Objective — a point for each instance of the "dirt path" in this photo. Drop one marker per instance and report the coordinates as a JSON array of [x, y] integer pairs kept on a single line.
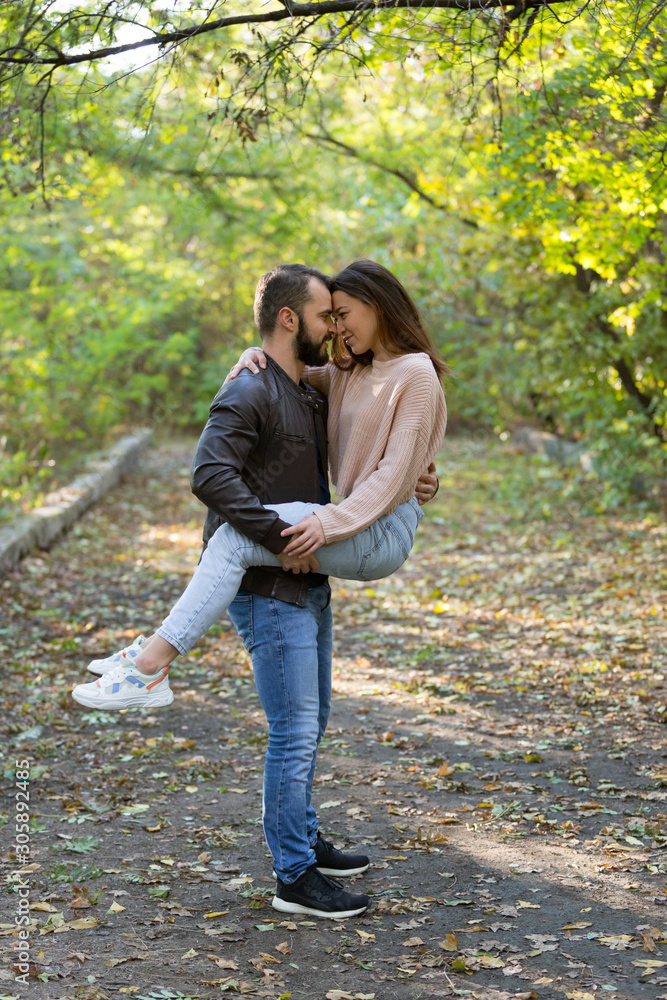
[[497, 746]]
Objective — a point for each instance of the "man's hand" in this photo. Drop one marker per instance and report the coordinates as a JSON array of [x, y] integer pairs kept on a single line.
[[427, 486], [293, 564], [307, 537], [251, 357]]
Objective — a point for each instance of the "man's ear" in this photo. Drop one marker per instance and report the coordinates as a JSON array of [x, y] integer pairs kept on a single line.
[[288, 319]]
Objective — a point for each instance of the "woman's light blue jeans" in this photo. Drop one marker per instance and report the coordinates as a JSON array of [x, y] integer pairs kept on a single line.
[[291, 659], [375, 552]]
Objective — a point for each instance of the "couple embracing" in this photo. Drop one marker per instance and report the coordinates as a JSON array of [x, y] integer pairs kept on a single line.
[[373, 415]]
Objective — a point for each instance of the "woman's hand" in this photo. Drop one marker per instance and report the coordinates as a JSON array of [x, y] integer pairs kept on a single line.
[[427, 486], [307, 537], [251, 357]]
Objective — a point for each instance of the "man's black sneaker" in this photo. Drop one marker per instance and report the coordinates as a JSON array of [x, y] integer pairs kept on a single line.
[[319, 896], [329, 861]]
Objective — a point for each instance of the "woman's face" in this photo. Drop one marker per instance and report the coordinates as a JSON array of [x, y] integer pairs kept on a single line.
[[356, 323]]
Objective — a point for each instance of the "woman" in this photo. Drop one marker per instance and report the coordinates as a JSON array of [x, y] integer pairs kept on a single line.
[[387, 418]]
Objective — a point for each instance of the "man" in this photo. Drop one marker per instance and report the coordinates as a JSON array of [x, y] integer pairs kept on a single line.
[[265, 442]]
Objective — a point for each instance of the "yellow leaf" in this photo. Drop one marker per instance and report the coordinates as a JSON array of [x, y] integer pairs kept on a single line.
[[116, 908], [580, 995], [450, 943], [191, 789], [490, 962], [216, 913], [580, 924], [526, 906], [339, 995], [365, 936], [190, 954], [44, 907], [617, 942], [82, 923]]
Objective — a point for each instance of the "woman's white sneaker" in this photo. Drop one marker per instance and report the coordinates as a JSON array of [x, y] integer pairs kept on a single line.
[[124, 687], [109, 662]]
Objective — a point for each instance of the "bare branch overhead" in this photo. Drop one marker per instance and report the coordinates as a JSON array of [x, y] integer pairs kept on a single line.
[[50, 56]]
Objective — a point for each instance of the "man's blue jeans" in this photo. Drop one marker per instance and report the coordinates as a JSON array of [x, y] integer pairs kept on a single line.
[[376, 552], [291, 659]]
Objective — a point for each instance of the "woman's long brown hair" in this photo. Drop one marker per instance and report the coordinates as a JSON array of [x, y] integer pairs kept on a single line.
[[400, 327]]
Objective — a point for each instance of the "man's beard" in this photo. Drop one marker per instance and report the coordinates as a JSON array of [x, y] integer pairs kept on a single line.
[[307, 350]]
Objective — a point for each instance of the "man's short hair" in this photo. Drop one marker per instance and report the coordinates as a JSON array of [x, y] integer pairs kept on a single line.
[[286, 285]]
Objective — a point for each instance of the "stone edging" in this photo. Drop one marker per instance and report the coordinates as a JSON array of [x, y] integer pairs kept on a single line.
[[42, 526], [532, 441]]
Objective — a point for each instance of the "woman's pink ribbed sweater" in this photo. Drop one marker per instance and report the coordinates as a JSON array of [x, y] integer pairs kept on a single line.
[[386, 423]]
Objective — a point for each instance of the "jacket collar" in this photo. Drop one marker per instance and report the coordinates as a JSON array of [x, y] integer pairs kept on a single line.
[[302, 391]]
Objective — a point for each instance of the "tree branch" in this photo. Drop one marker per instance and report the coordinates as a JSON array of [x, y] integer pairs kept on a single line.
[[584, 278], [402, 176], [290, 11]]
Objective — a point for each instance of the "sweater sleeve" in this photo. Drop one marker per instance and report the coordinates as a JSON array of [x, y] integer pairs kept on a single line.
[[404, 459], [319, 378]]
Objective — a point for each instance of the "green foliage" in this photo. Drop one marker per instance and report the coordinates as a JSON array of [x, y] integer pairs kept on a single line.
[[523, 205]]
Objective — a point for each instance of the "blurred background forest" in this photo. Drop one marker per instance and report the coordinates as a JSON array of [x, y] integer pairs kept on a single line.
[[507, 163]]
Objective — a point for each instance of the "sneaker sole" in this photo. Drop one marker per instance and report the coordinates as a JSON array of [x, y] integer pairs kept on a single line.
[[286, 907], [342, 872], [149, 701]]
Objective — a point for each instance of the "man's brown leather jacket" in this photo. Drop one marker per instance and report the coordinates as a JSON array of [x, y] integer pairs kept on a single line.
[[259, 446]]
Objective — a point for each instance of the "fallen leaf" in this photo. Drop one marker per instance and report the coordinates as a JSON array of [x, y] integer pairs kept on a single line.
[[450, 943], [79, 903], [523, 905], [284, 948], [83, 923], [141, 956], [189, 954], [224, 963], [648, 941], [116, 908], [649, 965], [580, 924], [617, 942]]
